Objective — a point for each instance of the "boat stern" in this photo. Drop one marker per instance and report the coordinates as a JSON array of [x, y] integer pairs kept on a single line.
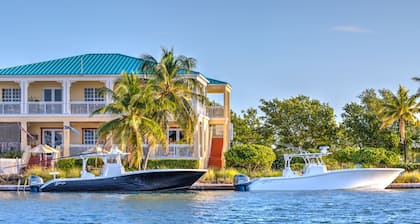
[[35, 183], [241, 182]]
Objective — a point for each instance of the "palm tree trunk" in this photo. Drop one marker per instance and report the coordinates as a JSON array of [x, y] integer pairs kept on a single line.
[[402, 137], [146, 159]]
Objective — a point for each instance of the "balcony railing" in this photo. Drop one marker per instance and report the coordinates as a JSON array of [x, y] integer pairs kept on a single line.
[[216, 111], [77, 149], [173, 151], [45, 107], [10, 108], [9, 146], [85, 107]]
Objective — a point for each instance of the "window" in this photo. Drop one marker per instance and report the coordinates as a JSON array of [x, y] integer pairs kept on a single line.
[[52, 95], [92, 94], [11, 95], [89, 136], [175, 136]]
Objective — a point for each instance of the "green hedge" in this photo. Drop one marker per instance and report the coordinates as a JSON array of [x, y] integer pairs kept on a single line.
[[11, 154], [409, 167], [66, 164], [173, 163], [251, 157]]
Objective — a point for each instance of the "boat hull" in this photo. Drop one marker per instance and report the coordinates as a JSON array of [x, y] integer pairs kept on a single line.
[[369, 178], [150, 180]]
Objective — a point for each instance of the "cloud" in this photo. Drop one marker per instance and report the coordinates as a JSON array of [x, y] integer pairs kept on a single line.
[[351, 29]]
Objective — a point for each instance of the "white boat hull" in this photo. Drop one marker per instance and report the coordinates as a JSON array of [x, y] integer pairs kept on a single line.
[[369, 178]]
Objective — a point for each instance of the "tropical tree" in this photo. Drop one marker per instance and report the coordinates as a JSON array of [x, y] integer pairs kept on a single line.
[[300, 121], [401, 109], [361, 123], [250, 129], [132, 101], [173, 91]]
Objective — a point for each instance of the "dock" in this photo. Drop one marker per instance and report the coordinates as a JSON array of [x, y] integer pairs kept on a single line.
[[14, 187], [212, 187]]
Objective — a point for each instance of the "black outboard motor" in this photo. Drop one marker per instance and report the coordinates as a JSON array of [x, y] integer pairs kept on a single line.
[[241, 182], [35, 183]]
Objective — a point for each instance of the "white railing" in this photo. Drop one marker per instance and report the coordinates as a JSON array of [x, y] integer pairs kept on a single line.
[[77, 149], [44, 107], [216, 111], [85, 107], [10, 108], [9, 146], [173, 151]]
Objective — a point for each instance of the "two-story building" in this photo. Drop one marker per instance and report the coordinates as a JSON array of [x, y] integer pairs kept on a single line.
[[51, 102]]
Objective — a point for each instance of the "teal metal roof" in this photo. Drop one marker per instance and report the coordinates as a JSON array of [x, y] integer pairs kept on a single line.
[[216, 82], [86, 64]]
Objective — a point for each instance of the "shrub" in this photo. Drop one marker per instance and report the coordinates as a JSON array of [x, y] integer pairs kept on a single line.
[[68, 163], [409, 177], [41, 172], [344, 155], [375, 157], [11, 154], [173, 163], [409, 166], [250, 157]]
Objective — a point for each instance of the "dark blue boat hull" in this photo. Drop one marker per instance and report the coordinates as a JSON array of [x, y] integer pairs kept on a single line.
[[134, 181]]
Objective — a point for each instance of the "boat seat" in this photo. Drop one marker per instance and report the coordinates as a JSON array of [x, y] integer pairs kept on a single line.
[[85, 174]]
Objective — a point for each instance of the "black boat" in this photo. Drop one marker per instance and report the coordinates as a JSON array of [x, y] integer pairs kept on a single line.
[[114, 178]]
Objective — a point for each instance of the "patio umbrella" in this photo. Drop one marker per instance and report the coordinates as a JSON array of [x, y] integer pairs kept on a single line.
[[44, 149]]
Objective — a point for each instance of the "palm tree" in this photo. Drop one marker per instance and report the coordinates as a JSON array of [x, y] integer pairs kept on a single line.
[[400, 108], [132, 101], [173, 90]]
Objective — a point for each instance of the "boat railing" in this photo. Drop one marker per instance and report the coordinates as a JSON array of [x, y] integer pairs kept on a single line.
[[313, 162]]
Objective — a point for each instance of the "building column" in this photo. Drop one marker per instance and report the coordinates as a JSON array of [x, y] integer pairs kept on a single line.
[[226, 126], [109, 84], [23, 135], [66, 96], [23, 96], [66, 139]]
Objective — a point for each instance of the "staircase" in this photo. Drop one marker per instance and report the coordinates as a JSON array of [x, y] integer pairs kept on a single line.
[[215, 159]]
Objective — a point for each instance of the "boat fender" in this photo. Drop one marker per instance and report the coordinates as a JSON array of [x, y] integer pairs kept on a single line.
[[241, 182]]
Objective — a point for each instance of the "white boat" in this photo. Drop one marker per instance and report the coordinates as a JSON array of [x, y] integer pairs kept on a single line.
[[315, 176], [113, 177]]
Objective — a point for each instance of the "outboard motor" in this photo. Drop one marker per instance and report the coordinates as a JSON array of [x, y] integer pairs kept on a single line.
[[241, 182], [35, 183]]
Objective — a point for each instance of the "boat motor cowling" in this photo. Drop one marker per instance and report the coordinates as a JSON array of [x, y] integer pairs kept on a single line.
[[35, 183], [241, 182]]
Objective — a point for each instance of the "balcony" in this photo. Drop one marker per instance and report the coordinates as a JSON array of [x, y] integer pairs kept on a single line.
[[10, 108], [84, 107], [174, 151], [216, 111], [77, 149], [45, 107]]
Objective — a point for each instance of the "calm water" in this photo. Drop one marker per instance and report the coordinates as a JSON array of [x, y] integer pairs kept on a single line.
[[389, 206]]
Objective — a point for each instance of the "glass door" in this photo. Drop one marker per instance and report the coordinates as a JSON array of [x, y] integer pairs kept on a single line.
[[52, 137]]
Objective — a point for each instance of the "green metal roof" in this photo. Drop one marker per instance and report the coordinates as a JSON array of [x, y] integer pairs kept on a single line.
[[216, 82], [86, 64]]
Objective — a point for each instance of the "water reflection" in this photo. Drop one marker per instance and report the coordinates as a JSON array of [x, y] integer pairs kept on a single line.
[[212, 207]]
